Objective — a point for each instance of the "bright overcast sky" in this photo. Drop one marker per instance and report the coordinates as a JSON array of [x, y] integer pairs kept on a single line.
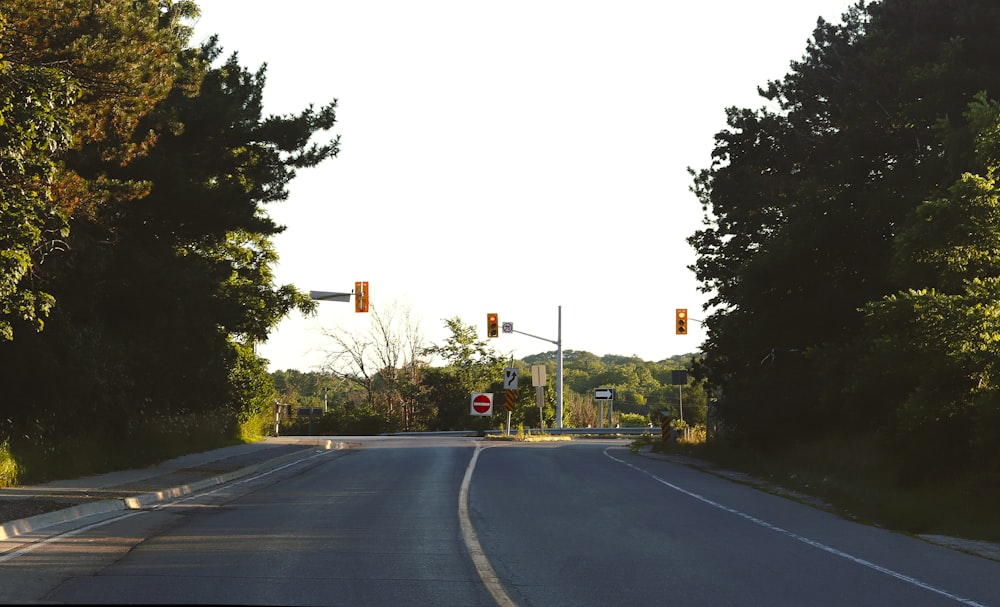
[[508, 157]]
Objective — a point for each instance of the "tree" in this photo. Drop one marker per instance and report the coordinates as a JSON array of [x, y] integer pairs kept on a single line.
[[946, 323], [72, 73], [384, 361], [804, 201], [34, 127], [472, 365], [163, 296], [121, 54]]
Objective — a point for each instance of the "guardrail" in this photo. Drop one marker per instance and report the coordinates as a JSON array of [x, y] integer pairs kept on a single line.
[[585, 431], [551, 431]]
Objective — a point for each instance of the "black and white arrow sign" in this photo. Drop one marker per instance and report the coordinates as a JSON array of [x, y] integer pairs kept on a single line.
[[510, 379]]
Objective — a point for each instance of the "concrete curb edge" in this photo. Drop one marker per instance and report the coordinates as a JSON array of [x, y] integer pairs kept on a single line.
[[14, 529]]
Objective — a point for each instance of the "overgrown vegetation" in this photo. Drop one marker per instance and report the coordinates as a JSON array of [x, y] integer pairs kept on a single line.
[[851, 247]]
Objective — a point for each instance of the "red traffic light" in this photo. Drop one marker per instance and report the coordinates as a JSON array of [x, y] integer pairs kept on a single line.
[[492, 325]]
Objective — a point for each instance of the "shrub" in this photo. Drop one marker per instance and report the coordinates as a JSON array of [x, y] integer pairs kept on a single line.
[[9, 469]]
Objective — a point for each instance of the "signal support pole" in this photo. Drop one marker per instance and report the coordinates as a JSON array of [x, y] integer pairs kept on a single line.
[[559, 368]]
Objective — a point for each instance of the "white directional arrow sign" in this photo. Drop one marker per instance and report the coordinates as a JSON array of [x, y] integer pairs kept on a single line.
[[510, 379], [604, 393]]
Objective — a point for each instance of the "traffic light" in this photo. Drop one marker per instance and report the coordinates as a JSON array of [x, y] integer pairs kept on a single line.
[[361, 296], [682, 321], [492, 325]]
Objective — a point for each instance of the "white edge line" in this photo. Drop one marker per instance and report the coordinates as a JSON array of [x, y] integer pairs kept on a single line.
[[68, 534], [803, 539]]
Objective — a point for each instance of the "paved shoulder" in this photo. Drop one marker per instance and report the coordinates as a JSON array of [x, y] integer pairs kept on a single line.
[[25, 509]]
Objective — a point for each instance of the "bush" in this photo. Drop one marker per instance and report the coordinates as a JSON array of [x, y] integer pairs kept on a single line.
[[343, 421], [632, 420], [149, 440], [9, 469]]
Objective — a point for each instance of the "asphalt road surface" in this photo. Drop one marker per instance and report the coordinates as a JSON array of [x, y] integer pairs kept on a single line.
[[461, 521]]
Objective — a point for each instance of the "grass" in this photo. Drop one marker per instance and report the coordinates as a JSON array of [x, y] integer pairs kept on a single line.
[[10, 471], [35, 461], [857, 478], [537, 436]]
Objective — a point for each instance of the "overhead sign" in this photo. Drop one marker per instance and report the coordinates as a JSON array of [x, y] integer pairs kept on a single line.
[[604, 394], [510, 379], [482, 403]]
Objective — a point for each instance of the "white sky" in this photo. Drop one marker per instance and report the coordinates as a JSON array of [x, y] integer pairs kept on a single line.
[[507, 157]]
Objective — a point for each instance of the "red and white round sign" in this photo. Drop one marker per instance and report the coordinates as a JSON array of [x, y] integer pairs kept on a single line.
[[482, 403]]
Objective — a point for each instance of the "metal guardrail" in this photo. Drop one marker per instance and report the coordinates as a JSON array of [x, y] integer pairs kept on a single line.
[[536, 431], [585, 431]]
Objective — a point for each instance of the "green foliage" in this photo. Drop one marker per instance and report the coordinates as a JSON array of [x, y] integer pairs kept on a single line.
[[441, 395], [850, 284], [951, 324], [140, 442], [475, 362], [343, 421], [10, 471], [632, 420], [35, 104], [148, 208]]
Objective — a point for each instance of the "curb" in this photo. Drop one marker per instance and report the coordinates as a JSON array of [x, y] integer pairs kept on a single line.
[[14, 529], [17, 528]]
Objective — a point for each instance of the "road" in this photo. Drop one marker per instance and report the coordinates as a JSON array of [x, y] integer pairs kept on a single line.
[[460, 521]]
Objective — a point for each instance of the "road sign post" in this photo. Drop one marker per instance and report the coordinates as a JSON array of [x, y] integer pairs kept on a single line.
[[601, 395]]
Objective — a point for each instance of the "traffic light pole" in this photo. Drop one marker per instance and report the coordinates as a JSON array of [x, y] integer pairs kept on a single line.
[[559, 368]]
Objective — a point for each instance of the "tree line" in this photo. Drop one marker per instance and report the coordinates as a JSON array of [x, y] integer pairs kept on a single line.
[[136, 255], [386, 379], [851, 243]]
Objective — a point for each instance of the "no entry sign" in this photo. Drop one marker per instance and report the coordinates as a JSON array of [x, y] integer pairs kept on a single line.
[[482, 403]]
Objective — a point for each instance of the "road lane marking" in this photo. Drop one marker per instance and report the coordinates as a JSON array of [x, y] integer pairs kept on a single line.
[[803, 539], [62, 536], [482, 564], [19, 552]]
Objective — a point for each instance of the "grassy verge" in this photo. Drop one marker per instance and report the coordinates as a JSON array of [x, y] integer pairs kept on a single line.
[[31, 461], [529, 436], [857, 479]]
